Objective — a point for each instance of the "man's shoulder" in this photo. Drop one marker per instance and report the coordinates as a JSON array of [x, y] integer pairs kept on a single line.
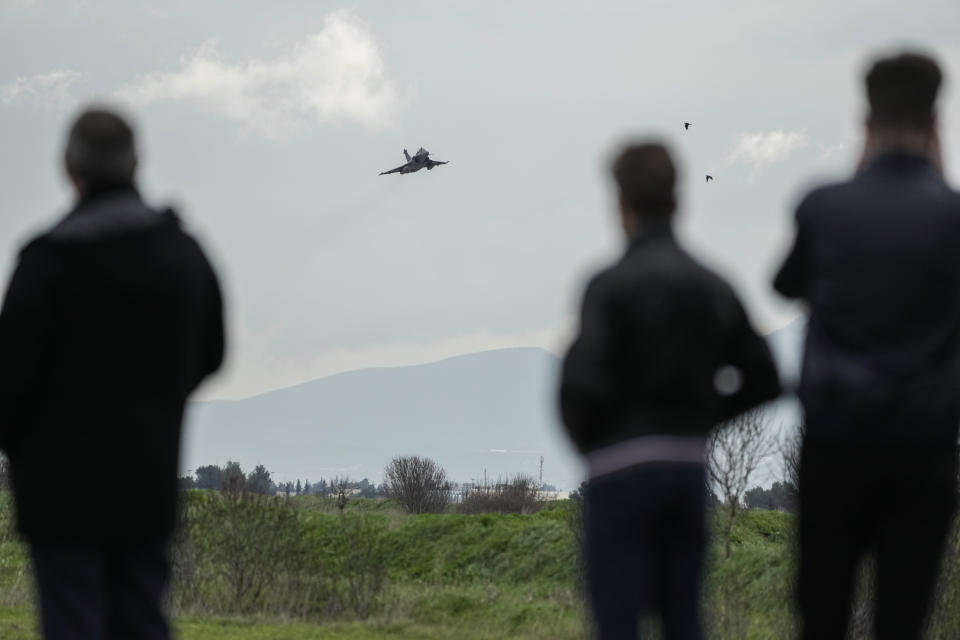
[[949, 195], [661, 267], [615, 281], [37, 249], [73, 238], [605, 281], [824, 201], [828, 195], [108, 217]]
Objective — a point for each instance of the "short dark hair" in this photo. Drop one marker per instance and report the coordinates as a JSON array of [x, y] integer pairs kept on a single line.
[[902, 90], [646, 176], [100, 149]]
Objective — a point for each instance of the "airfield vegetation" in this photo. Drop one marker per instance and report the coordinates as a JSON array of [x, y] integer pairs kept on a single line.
[[263, 567]]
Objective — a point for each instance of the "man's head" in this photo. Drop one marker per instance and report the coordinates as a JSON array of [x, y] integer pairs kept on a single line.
[[902, 93], [100, 152], [646, 178]]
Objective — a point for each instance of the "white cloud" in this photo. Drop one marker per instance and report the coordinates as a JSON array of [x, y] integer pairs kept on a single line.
[[336, 74], [75, 6], [761, 149], [51, 88], [831, 151]]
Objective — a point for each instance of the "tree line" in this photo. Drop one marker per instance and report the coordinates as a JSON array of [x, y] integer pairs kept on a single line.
[[214, 477], [417, 484]]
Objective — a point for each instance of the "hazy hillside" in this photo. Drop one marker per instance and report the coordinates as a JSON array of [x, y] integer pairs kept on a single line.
[[492, 411]]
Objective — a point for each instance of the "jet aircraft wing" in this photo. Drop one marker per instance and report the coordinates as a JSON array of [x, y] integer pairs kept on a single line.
[[397, 170]]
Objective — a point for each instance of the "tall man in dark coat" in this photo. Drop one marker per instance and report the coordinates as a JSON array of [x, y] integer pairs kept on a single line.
[[111, 319], [877, 259], [639, 394]]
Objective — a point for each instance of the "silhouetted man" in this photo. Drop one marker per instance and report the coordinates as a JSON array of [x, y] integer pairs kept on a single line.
[[877, 259], [639, 395], [111, 319]]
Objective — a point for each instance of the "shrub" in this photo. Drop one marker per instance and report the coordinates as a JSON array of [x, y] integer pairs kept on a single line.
[[419, 484], [518, 494], [236, 552]]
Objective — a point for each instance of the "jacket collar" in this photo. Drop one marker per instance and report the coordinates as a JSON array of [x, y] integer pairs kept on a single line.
[[652, 231], [897, 160], [95, 200], [103, 214]]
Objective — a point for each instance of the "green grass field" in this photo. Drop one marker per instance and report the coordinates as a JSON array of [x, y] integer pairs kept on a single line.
[[19, 624], [374, 572]]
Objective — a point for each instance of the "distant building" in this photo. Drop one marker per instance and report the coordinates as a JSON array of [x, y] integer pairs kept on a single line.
[[459, 491]]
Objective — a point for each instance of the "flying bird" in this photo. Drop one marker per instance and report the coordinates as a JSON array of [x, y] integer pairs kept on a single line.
[[709, 178], [686, 125]]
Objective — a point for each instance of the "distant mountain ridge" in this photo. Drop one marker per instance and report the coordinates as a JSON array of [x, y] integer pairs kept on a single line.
[[492, 412]]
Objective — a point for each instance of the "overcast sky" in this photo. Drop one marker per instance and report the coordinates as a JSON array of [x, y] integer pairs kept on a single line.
[[266, 125]]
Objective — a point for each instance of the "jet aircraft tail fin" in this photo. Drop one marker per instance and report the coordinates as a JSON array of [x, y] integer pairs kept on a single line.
[[406, 155]]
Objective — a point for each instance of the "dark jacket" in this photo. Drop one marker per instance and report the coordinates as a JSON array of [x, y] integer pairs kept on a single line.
[[878, 261], [111, 319], [655, 329]]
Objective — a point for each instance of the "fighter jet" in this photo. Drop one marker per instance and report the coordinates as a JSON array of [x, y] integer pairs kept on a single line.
[[687, 125], [709, 178], [419, 160]]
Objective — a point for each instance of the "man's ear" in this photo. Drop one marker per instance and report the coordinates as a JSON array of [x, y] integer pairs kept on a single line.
[[78, 184], [869, 130], [934, 148], [628, 219]]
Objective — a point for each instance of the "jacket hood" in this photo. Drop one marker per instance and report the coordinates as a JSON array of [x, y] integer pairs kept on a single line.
[[107, 215]]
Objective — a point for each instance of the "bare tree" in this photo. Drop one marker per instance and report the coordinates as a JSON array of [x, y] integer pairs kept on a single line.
[[420, 485], [365, 556], [258, 540], [340, 487], [519, 494], [735, 450], [790, 448]]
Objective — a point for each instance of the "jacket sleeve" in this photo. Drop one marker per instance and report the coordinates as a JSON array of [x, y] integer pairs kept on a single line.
[[588, 388], [26, 337], [793, 278], [212, 340], [749, 354], [215, 341]]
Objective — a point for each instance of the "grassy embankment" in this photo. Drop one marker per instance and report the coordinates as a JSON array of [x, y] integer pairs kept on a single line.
[[376, 573]]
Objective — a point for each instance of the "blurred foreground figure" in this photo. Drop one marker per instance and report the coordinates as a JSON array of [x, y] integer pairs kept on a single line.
[[665, 352], [111, 319], [876, 259]]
